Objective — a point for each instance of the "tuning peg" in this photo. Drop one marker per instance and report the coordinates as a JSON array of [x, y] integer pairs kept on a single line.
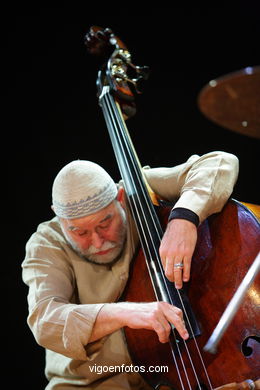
[[143, 71], [100, 41]]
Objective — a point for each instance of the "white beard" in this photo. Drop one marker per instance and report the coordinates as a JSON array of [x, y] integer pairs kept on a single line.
[[106, 259]]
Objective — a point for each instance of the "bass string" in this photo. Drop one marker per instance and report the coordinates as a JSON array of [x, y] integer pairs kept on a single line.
[[172, 349], [198, 350], [114, 119], [111, 121], [111, 118], [127, 141]]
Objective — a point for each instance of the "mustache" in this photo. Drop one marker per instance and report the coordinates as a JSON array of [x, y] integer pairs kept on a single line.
[[92, 250]]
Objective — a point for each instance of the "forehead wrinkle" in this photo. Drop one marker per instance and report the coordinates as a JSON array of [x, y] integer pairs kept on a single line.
[[74, 228]]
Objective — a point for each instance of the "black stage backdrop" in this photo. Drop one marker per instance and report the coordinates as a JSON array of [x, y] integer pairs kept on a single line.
[[54, 117]]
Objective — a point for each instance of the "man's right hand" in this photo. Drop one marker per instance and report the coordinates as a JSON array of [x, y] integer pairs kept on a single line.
[[155, 316]]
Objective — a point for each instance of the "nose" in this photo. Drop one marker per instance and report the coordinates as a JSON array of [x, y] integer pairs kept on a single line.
[[97, 240]]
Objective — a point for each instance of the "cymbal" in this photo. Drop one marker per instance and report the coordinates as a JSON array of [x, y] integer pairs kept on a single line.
[[233, 101]]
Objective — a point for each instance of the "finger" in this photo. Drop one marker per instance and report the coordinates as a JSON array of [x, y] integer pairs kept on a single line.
[[177, 269], [163, 255], [168, 269], [163, 260], [162, 328], [175, 316], [186, 268], [181, 328]]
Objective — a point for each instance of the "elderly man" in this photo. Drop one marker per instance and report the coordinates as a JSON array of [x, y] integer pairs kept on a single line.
[[77, 265]]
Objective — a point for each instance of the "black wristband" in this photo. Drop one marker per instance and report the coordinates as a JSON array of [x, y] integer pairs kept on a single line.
[[183, 213]]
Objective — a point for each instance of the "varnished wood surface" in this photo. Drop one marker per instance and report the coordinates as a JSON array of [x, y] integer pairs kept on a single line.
[[227, 245]]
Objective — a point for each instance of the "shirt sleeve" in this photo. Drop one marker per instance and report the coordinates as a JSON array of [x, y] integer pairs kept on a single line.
[[56, 322], [202, 184]]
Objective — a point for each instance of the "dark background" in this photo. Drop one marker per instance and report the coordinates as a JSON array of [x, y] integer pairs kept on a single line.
[[54, 117]]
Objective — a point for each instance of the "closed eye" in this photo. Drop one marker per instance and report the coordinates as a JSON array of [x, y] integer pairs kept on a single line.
[[106, 222], [105, 225], [82, 233]]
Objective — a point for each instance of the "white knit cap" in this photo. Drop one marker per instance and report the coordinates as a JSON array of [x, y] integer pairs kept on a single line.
[[82, 188]]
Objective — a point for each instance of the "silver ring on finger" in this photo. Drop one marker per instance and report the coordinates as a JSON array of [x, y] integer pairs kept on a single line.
[[178, 265]]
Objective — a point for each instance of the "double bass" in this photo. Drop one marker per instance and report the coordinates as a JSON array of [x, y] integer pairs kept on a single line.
[[227, 244]]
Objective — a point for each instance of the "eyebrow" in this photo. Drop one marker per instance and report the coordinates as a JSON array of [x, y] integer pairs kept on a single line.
[[110, 215], [74, 228]]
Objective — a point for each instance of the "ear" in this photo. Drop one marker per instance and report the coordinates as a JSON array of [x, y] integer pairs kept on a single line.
[[121, 195]]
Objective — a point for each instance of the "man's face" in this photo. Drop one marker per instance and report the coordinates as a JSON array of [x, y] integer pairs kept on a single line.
[[98, 237]]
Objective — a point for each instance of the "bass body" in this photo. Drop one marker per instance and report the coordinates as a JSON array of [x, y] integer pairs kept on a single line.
[[228, 243]]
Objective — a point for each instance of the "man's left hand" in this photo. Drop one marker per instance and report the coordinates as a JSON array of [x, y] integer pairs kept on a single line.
[[176, 250]]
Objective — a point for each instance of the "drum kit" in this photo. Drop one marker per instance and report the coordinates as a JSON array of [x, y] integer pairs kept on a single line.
[[233, 101]]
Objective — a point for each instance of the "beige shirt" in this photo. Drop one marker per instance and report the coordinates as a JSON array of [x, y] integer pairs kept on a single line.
[[66, 292]]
